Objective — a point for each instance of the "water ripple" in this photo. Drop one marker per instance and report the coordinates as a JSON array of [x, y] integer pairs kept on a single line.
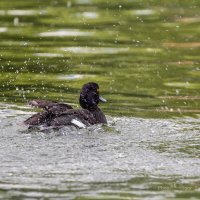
[[66, 33]]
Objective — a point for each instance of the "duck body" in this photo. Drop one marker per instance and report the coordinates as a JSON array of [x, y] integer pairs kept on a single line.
[[57, 114]]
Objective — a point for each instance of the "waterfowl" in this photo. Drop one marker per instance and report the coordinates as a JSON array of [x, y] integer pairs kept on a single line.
[[58, 114]]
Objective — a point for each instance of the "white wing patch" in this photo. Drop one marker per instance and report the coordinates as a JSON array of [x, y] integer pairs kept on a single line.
[[78, 123]]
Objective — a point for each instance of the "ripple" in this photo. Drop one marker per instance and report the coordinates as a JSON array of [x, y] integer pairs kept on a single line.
[[3, 29], [65, 33], [48, 54], [143, 12], [75, 76], [12, 113], [19, 12], [82, 2], [89, 161], [95, 50], [182, 45], [188, 20], [89, 15], [7, 110], [183, 84]]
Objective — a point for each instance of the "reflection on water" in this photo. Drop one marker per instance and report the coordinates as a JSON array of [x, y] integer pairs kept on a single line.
[[48, 55], [62, 33], [144, 12], [90, 15], [137, 51], [145, 57], [184, 85], [74, 76], [94, 50], [20, 12], [3, 29]]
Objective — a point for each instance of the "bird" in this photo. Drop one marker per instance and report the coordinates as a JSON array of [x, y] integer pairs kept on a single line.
[[58, 114]]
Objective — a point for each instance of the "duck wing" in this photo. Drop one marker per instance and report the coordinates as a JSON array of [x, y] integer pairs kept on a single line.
[[39, 119], [51, 106], [51, 110], [78, 117]]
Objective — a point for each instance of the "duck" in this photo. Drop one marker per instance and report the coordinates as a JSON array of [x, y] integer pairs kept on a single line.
[[58, 114]]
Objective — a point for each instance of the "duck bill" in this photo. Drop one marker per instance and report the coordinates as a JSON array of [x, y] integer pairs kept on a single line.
[[101, 99]]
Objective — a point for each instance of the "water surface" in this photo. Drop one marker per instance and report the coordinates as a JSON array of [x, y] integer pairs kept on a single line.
[[144, 158], [145, 57]]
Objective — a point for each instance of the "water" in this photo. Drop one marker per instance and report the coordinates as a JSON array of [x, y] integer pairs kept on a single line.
[[144, 158], [143, 54], [145, 57]]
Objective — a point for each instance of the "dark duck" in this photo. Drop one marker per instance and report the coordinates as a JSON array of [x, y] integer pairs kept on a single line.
[[57, 114]]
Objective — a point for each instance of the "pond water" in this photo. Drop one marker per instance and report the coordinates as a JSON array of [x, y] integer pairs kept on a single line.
[[145, 57]]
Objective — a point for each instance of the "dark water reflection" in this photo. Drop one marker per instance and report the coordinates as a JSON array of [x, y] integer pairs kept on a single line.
[[145, 55]]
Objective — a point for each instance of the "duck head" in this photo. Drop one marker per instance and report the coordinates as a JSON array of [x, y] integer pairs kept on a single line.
[[89, 96]]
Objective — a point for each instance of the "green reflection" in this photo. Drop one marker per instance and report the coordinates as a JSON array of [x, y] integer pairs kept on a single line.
[[144, 54]]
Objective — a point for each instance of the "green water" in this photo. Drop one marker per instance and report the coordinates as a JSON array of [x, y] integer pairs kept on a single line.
[[144, 54]]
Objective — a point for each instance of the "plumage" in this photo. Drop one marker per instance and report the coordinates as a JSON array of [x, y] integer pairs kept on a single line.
[[57, 114]]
